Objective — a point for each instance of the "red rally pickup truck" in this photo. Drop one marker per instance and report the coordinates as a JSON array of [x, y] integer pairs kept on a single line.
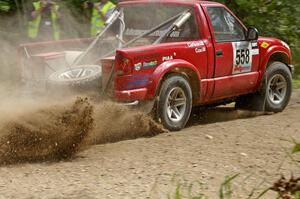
[[179, 54]]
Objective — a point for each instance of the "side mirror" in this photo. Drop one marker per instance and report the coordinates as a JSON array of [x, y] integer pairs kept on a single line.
[[252, 34]]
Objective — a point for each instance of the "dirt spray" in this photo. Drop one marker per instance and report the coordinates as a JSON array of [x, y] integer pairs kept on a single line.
[[51, 131]]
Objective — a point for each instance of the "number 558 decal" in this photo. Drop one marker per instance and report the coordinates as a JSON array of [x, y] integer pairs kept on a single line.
[[242, 56]]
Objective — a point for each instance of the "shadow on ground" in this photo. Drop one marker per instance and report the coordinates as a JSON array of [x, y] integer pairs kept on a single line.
[[219, 114]]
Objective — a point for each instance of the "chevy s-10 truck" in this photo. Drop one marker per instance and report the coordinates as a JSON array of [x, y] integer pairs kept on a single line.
[[176, 55]]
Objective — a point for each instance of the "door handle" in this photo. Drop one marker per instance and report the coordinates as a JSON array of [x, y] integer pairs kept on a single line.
[[219, 53]]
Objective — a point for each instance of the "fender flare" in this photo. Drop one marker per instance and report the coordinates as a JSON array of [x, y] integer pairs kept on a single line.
[[264, 62], [173, 65], [271, 51]]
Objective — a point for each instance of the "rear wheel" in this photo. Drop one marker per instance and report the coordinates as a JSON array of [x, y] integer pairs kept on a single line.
[[174, 103]]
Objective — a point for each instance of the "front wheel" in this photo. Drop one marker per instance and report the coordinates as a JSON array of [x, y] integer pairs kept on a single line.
[[279, 87], [174, 103], [274, 93]]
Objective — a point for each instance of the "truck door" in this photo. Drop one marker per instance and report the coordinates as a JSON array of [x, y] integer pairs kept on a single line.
[[236, 59]]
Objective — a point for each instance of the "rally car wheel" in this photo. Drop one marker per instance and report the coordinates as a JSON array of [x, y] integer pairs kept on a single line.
[[274, 93], [80, 78], [279, 87], [175, 103]]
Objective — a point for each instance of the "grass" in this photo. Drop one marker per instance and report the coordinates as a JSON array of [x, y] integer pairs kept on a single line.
[[296, 82], [286, 188], [226, 190]]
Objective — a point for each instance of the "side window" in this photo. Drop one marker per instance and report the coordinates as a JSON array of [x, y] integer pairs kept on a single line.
[[226, 27], [141, 18]]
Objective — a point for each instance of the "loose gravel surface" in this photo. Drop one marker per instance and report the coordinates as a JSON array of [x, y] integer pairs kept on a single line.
[[220, 142]]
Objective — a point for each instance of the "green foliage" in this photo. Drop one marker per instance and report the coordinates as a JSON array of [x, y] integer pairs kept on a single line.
[[283, 187], [276, 18], [4, 6], [226, 191], [186, 189], [178, 194], [296, 148], [297, 195], [296, 82]]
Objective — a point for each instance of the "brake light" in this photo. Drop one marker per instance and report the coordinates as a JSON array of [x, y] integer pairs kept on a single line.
[[124, 66]]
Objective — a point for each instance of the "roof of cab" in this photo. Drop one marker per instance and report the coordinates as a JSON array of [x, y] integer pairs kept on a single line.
[[183, 2]]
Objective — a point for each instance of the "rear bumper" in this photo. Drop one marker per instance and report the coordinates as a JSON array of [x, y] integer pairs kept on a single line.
[[136, 98], [131, 95]]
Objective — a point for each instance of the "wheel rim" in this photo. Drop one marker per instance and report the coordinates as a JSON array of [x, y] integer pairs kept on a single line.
[[76, 73], [176, 104], [277, 89]]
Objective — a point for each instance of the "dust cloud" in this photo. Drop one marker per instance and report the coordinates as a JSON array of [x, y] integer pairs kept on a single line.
[[115, 122], [50, 133], [34, 127], [45, 130]]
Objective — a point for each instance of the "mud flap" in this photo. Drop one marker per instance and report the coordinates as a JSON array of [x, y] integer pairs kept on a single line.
[[255, 101], [252, 102]]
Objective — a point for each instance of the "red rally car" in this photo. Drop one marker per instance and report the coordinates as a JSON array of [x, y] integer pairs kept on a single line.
[[172, 55]]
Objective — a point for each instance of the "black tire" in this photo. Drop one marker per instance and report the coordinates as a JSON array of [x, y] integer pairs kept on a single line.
[[278, 69], [260, 100], [90, 82], [177, 86]]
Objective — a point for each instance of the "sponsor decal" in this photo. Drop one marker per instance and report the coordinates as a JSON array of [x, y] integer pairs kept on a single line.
[[138, 66], [200, 50], [194, 44], [254, 45], [167, 58], [150, 64], [255, 49], [265, 45], [137, 83], [138, 80]]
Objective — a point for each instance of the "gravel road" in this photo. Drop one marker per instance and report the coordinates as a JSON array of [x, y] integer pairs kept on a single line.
[[220, 142]]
